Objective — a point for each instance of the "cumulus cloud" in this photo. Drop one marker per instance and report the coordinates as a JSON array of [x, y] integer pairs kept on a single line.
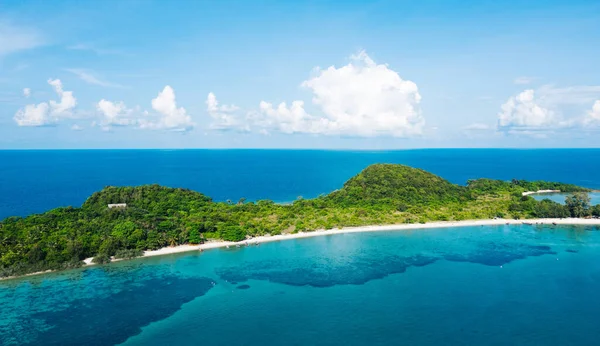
[[293, 119], [33, 115], [548, 109], [170, 116], [222, 115], [47, 113], [67, 100], [593, 116], [26, 92], [362, 99], [76, 127], [523, 111], [114, 114]]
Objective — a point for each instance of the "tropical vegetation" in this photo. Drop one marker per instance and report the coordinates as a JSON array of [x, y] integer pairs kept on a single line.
[[157, 216]]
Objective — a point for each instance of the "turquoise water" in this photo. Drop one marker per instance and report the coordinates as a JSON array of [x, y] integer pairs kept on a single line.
[[560, 197], [493, 285]]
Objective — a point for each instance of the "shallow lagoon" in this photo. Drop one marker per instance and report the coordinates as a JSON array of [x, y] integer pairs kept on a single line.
[[471, 285], [560, 197]]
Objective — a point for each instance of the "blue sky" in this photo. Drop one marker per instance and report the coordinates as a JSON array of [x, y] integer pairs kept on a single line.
[[351, 74]]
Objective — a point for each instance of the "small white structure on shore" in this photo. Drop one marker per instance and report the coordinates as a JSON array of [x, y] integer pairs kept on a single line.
[[117, 205]]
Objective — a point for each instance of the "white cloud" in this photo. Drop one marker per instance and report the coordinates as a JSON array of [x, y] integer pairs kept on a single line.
[[170, 117], [222, 115], [26, 92], [361, 98], [67, 100], [547, 109], [523, 80], [14, 39], [76, 127], [47, 113], [366, 99], [523, 111], [114, 114], [90, 78], [593, 116], [293, 119], [33, 115]]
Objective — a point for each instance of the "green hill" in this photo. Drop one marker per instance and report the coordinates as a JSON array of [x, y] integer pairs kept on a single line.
[[394, 184], [153, 199]]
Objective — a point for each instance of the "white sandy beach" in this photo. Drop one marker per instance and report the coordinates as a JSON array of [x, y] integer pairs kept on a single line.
[[398, 227]]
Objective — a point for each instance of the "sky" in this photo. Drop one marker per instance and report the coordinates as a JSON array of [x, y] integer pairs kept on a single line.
[[299, 74]]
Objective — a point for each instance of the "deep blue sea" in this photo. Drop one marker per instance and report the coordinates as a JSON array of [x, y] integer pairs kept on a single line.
[[35, 181], [493, 285]]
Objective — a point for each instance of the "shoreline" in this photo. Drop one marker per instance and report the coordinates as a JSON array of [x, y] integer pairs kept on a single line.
[[358, 229]]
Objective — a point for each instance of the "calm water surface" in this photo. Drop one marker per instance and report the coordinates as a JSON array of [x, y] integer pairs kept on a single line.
[[500, 285], [35, 181]]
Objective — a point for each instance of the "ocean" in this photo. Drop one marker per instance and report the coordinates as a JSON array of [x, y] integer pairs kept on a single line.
[[34, 181], [484, 285], [493, 285]]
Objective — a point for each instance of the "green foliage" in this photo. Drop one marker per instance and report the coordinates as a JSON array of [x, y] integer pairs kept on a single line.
[[147, 199], [128, 253], [550, 209], [233, 233], [387, 184], [157, 216], [595, 210], [517, 187], [101, 258], [194, 237], [578, 204], [546, 185]]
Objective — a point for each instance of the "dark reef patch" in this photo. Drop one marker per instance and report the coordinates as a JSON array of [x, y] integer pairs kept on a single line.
[[352, 271], [122, 314], [360, 269], [497, 254]]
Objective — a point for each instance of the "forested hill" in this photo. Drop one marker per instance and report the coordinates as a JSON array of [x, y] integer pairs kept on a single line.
[[393, 184], [152, 216], [152, 199]]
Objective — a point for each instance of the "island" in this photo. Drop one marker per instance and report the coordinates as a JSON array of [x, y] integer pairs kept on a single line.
[[124, 222]]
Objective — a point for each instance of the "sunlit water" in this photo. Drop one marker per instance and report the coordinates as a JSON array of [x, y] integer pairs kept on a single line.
[[500, 285]]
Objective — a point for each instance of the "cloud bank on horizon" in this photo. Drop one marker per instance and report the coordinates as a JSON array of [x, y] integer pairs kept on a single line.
[[362, 99], [406, 93]]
